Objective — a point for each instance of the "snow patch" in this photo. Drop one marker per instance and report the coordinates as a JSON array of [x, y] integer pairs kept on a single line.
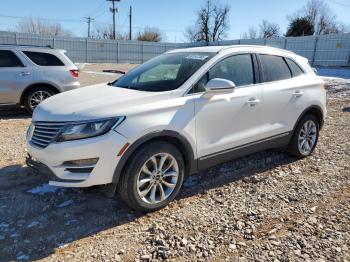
[[43, 189], [33, 224], [3, 226], [334, 72], [22, 257], [70, 222], [66, 203]]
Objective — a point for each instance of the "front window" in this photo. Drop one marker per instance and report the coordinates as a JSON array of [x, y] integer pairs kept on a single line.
[[238, 68], [9, 59], [164, 73]]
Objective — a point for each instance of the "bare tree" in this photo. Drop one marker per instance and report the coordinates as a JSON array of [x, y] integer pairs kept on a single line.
[[252, 33], [106, 32], [36, 26], [321, 17], [269, 30], [212, 23], [151, 34]]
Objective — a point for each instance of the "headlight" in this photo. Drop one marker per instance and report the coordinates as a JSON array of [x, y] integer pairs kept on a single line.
[[87, 129]]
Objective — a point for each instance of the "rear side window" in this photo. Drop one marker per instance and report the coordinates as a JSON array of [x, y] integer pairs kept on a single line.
[[237, 68], [43, 59], [9, 59], [296, 70], [274, 68]]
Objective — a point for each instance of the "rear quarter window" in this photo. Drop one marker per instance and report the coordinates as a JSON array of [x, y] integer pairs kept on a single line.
[[294, 67], [43, 59], [274, 68]]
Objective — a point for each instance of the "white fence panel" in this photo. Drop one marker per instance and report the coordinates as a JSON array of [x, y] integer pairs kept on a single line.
[[327, 50]]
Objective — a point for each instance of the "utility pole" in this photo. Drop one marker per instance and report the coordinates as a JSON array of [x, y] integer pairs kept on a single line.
[[130, 23], [113, 10], [89, 19]]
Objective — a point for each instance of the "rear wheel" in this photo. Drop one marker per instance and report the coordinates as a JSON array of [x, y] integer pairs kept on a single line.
[[35, 96], [305, 138], [153, 177]]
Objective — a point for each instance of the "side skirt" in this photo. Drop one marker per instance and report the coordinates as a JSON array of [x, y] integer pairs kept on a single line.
[[278, 141]]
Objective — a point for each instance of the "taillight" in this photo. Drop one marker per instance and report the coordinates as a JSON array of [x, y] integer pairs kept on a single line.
[[325, 86], [74, 73]]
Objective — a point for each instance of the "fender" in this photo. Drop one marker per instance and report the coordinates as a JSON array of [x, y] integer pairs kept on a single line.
[[183, 145]]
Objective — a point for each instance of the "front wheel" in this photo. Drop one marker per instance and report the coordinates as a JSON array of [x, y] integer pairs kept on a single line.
[[305, 137], [153, 177]]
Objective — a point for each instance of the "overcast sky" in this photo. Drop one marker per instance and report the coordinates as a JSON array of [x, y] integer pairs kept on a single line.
[[171, 16]]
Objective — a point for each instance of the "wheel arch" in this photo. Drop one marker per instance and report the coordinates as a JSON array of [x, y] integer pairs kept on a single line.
[[312, 110], [168, 136], [43, 84]]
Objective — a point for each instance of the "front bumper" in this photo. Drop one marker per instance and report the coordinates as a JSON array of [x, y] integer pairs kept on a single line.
[[50, 160]]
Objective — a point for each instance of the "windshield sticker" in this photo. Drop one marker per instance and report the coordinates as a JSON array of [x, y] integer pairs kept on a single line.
[[197, 57]]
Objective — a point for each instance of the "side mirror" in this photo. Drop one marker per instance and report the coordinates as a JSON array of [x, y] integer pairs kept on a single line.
[[220, 86]]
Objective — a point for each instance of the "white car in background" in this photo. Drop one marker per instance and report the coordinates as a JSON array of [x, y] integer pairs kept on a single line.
[[30, 74], [178, 113]]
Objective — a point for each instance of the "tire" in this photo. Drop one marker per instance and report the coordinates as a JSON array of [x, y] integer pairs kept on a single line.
[[42, 93], [141, 161], [297, 147]]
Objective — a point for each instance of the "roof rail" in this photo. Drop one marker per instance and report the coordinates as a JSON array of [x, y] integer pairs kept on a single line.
[[256, 46], [36, 46]]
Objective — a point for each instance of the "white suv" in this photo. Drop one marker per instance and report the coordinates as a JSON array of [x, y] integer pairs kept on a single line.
[[178, 113]]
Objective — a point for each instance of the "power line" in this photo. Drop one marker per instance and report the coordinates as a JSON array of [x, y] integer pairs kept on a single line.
[[97, 9], [89, 19], [82, 22], [46, 19], [338, 3]]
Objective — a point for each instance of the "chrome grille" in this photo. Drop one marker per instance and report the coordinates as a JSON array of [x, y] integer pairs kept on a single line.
[[45, 133]]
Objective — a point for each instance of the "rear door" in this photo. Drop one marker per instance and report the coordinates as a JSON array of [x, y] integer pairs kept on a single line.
[[282, 89], [14, 77]]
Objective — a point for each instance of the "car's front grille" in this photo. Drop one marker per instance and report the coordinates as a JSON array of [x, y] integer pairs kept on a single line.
[[45, 133]]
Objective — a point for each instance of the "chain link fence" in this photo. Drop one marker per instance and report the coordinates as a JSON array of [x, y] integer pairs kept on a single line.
[[325, 50]]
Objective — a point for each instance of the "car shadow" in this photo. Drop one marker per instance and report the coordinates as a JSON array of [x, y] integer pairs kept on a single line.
[[36, 220], [7, 113]]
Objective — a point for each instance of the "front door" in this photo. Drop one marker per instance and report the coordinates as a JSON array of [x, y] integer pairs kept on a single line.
[[227, 122]]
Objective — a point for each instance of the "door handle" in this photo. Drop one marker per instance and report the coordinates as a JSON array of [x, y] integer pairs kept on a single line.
[[253, 101], [24, 74], [298, 93]]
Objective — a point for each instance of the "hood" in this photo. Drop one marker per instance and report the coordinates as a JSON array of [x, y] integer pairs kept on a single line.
[[94, 102]]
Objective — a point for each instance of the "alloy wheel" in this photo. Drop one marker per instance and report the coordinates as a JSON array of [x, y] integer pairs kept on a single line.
[[37, 97], [157, 178], [307, 137]]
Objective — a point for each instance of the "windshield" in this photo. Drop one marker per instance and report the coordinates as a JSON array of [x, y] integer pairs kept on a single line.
[[163, 73]]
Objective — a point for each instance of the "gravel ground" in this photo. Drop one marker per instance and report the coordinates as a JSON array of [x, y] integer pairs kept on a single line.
[[265, 207]]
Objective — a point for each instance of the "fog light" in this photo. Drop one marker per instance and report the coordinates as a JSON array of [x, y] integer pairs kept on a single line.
[[81, 162]]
